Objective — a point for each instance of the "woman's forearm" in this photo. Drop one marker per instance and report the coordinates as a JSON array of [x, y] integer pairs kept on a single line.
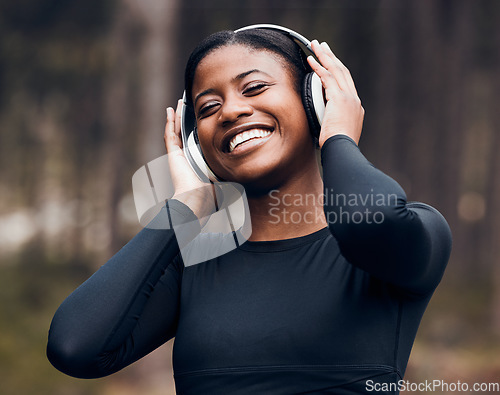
[[106, 323], [378, 231]]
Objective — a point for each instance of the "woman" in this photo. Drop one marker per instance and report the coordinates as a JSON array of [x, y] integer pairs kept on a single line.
[[327, 294]]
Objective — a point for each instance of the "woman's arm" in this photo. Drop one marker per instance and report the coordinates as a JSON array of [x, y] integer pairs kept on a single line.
[[406, 244], [130, 306], [127, 308]]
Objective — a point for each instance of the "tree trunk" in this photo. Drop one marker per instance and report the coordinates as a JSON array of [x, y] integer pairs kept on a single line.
[[141, 87]]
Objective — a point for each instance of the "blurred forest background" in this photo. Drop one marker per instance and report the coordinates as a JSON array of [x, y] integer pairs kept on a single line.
[[83, 91]]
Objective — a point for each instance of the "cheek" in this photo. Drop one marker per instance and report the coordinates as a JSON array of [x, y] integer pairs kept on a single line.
[[202, 137], [205, 141], [291, 102], [205, 128], [295, 117]]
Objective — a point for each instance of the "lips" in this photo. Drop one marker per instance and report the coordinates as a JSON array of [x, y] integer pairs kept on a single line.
[[243, 137], [242, 134]]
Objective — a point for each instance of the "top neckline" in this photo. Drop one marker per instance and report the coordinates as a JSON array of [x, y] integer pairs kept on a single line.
[[285, 244]]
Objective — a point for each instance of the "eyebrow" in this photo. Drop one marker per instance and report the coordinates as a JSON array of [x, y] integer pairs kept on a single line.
[[244, 74], [239, 77]]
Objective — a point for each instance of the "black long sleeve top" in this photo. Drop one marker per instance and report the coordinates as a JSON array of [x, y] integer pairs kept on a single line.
[[335, 311]]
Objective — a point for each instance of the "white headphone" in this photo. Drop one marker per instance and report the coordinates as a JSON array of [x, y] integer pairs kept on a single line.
[[312, 98]]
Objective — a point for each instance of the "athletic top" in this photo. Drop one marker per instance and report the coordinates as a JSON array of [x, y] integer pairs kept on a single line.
[[335, 311]]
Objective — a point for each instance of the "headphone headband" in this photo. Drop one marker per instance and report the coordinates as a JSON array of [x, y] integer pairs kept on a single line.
[[289, 32]]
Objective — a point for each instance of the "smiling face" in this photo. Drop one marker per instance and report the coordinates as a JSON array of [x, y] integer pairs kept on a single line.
[[251, 122]]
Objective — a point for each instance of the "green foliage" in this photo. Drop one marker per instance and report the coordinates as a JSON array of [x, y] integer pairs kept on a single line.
[[30, 294]]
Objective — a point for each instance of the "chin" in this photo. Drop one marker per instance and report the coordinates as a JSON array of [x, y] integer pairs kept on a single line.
[[260, 181]]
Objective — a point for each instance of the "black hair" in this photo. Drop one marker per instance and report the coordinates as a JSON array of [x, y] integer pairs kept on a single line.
[[261, 39]]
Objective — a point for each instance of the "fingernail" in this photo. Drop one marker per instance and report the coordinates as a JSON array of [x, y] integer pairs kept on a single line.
[[328, 47]]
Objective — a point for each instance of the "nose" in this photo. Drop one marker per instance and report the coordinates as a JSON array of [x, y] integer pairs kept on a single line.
[[233, 108]]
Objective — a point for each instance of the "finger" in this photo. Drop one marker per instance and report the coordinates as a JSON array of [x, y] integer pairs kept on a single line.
[[329, 82], [338, 69], [172, 140], [323, 73], [333, 64], [330, 63], [345, 70]]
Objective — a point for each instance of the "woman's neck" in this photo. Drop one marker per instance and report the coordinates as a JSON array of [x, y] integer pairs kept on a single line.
[[294, 209]]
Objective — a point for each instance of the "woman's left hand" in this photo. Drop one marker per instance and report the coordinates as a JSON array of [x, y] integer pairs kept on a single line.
[[344, 113]]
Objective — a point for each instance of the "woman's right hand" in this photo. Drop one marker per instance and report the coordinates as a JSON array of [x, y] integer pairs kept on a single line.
[[189, 189]]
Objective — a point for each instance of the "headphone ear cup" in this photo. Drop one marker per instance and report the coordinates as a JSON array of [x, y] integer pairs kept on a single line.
[[191, 145], [314, 103], [202, 162], [196, 160]]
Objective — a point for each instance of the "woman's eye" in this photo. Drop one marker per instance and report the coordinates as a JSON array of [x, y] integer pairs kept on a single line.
[[255, 89], [207, 110]]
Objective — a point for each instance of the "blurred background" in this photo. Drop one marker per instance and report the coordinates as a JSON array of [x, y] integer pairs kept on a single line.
[[83, 91]]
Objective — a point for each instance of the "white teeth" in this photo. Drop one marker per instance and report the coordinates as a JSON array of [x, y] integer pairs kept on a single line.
[[247, 135]]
